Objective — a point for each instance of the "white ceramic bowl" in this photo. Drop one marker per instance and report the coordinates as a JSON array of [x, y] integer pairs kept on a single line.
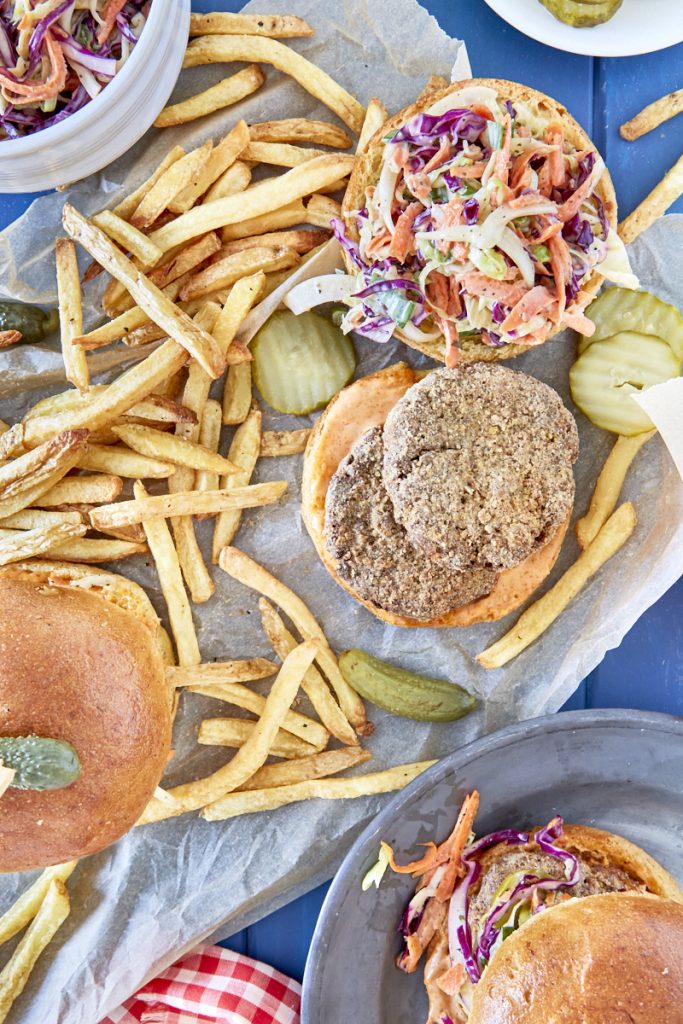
[[110, 124]]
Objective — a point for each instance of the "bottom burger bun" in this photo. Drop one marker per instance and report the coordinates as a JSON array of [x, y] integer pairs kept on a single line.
[[365, 404], [604, 959], [83, 660]]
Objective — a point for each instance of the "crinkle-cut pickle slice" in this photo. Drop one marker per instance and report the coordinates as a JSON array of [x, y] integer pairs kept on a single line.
[[603, 379], [583, 13], [301, 362], [621, 309]]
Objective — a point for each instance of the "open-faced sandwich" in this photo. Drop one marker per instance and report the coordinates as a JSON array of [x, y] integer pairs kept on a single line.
[[441, 500], [554, 923], [479, 222]]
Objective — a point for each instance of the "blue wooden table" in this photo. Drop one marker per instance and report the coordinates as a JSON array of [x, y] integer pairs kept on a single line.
[[646, 671]]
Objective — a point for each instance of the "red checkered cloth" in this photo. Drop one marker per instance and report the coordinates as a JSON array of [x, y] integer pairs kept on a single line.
[[214, 984]]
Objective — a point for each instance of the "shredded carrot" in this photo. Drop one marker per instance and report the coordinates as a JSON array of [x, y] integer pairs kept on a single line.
[[376, 243], [474, 170], [403, 239], [554, 136], [534, 302], [455, 305], [455, 844], [567, 210], [450, 332], [432, 921], [483, 112], [34, 92], [548, 232], [561, 266], [476, 283], [444, 151], [437, 291], [416, 867], [109, 13], [578, 322], [526, 199], [452, 980]]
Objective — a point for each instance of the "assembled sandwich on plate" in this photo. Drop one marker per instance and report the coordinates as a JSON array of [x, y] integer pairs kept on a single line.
[[556, 923]]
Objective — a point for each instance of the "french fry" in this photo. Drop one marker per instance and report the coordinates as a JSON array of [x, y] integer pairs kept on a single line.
[[128, 237], [339, 185], [17, 545], [121, 461], [542, 613], [154, 408], [216, 49], [251, 801], [235, 179], [189, 258], [285, 217], [608, 486], [244, 452], [255, 201], [313, 685], [276, 26], [280, 154], [186, 503], [132, 534], [30, 901], [652, 116], [70, 314], [656, 204], [234, 732], [9, 338], [12, 441], [209, 438], [252, 755], [82, 490], [52, 913], [92, 550], [301, 240], [195, 394], [6, 778], [222, 156], [300, 129], [178, 176], [4, 427], [231, 90], [304, 769], [237, 394], [375, 116], [171, 581], [236, 266], [34, 518], [283, 442], [171, 448], [218, 673], [243, 697], [320, 210], [26, 478], [245, 570], [151, 299], [127, 207]]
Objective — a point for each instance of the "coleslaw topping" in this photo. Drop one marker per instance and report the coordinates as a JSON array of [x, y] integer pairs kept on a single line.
[[57, 55], [484, 223]]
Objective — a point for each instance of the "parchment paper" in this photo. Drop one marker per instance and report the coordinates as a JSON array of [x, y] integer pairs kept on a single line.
[[163, 888]]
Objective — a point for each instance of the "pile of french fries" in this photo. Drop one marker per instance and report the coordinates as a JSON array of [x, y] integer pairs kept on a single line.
[[100, 473]]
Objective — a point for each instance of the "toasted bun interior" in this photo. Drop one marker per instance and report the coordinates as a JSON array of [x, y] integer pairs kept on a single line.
[[367, 169], [601, 959], [355, 410], [80, 668]]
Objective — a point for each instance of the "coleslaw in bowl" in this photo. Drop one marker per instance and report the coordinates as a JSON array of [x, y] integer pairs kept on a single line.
[[98, 115]]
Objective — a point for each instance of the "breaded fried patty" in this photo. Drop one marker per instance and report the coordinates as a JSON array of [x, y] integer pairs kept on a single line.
[[478, 465], [373, 552]]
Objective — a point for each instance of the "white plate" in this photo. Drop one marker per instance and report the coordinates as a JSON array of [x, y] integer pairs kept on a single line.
[[639, 26]]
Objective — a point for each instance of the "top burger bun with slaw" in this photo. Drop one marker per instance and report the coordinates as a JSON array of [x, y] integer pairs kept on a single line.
[[85, 712], [478, 222]]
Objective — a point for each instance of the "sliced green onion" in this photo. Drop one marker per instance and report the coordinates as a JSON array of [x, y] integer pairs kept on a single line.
[[489, 262], [541, 252], [468, 189], [398, 307], [439, 195]]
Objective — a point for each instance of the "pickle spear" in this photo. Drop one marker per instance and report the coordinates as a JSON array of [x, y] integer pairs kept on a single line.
[[582, 13], [404, 693], [33, 323]]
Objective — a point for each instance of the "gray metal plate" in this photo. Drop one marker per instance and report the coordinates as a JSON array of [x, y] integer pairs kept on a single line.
[[617, 770]]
